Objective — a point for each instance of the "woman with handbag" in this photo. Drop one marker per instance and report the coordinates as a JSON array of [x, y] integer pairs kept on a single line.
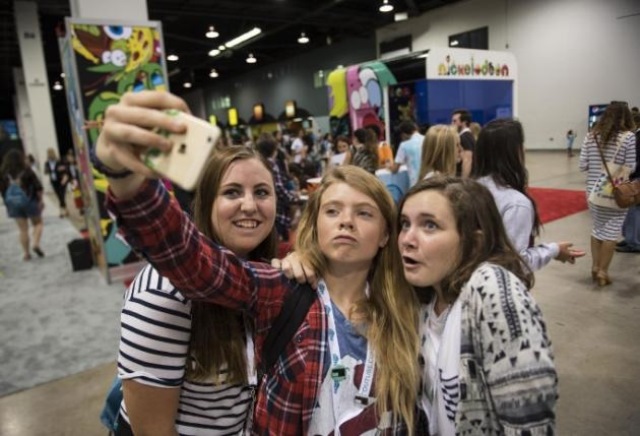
[[608, 152]]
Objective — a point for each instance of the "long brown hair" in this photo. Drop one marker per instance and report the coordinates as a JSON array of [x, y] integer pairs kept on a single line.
[[615, 119], [217, 333], [483, 237], [390, 312], [499, 153]]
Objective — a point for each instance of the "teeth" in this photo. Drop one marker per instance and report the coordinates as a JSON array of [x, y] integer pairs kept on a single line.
[[247, 224]]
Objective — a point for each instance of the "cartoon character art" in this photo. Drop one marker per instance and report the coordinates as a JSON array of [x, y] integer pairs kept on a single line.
[[364, 89], [127, 56], [338, 104], [113, 60], [365, 418]]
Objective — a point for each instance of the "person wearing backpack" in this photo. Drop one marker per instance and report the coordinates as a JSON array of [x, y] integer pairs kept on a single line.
[[22, 195]]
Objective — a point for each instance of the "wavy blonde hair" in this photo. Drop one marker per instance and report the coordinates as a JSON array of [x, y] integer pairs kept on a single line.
[[391, 311], [439, 150]]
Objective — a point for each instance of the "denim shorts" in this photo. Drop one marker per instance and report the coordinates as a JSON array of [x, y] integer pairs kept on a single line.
[[31, 210]]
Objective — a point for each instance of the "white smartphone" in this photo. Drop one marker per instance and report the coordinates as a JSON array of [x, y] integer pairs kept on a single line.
[[183, 165]]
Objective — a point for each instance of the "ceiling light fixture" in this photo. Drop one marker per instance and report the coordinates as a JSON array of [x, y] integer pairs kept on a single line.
[[385, 6], [400, 16], [172, 57], [244, 37], [62, 75], [187, 84], [213, 53], [251, 59], [212, 33], [303, 39], [213, 74], [57, 86], [222, 48]]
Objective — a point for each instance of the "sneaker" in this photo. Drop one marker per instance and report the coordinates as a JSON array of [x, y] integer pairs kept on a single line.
[[627, 249], [38, 251], [622, 243]]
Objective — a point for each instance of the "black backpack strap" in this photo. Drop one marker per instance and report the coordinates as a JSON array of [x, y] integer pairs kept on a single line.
[[294, 311]]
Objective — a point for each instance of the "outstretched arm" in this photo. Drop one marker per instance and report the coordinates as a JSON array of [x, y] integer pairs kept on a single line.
[[153, 222]]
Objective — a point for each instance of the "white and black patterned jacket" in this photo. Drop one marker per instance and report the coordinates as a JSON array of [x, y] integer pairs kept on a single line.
[[507, 378]]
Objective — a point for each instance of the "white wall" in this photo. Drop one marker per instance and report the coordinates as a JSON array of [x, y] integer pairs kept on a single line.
[[570, 53]]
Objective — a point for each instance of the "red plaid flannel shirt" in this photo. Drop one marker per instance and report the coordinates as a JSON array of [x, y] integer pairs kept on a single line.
[[153, 223]]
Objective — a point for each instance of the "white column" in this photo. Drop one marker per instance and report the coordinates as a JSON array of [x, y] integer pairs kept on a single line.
[[126, 10], [35, 80], [23, 114]]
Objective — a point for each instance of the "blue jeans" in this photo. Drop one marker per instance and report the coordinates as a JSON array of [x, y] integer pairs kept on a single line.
[[631, 227]]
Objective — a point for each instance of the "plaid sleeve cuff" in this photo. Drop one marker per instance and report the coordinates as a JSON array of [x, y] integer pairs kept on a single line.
[[141, 219], [147, 203]]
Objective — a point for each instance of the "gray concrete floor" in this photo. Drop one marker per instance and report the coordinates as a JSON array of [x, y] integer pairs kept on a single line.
[[593, 331]]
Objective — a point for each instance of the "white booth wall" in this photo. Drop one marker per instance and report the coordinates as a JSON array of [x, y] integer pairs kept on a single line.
[[570, 53]]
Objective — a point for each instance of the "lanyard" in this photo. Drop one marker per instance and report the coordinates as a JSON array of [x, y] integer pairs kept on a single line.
[[338, 372], [252, 375]]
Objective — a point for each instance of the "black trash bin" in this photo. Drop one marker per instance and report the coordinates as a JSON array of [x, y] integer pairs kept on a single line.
[[80, 253]]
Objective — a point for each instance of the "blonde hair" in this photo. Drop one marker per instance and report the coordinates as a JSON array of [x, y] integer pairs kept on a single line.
[[439, 150], [51, 154], [390, 313], [475, 128]]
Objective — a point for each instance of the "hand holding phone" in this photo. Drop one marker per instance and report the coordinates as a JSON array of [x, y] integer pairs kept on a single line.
[[185, 162]]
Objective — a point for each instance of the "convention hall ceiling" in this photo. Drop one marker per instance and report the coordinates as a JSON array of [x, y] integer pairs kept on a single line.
[[186, 22]]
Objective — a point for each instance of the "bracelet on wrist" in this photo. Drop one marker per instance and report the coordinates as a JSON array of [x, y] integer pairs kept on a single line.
[[109, 172]]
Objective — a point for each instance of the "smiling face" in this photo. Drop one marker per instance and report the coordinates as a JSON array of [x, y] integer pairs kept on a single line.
[[244, 209], [350, 226], [429, 241]]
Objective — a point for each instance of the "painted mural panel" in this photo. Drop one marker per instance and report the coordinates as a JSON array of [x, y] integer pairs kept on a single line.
[[365, 86], [111, 59], [79, 137]]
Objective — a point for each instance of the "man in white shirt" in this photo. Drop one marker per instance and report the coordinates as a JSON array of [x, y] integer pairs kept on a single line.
[[410, 151], [297, 147], [461, 119]]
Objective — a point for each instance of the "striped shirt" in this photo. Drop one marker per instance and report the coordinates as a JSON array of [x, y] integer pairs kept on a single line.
[[607, 222], [155, 333], [591, 162]]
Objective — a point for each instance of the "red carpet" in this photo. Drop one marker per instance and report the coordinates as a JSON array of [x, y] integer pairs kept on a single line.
[[554, 204]]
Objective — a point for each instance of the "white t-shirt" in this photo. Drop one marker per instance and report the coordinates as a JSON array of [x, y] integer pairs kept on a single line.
[[296, 150], [410, 154], [337, 159], [440, 351], [341, 411]]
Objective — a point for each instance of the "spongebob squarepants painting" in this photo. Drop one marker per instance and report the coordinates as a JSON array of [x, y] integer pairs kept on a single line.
[[109, 61]]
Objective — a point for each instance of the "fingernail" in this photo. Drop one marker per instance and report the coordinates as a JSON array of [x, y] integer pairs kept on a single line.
[[178, 125]]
